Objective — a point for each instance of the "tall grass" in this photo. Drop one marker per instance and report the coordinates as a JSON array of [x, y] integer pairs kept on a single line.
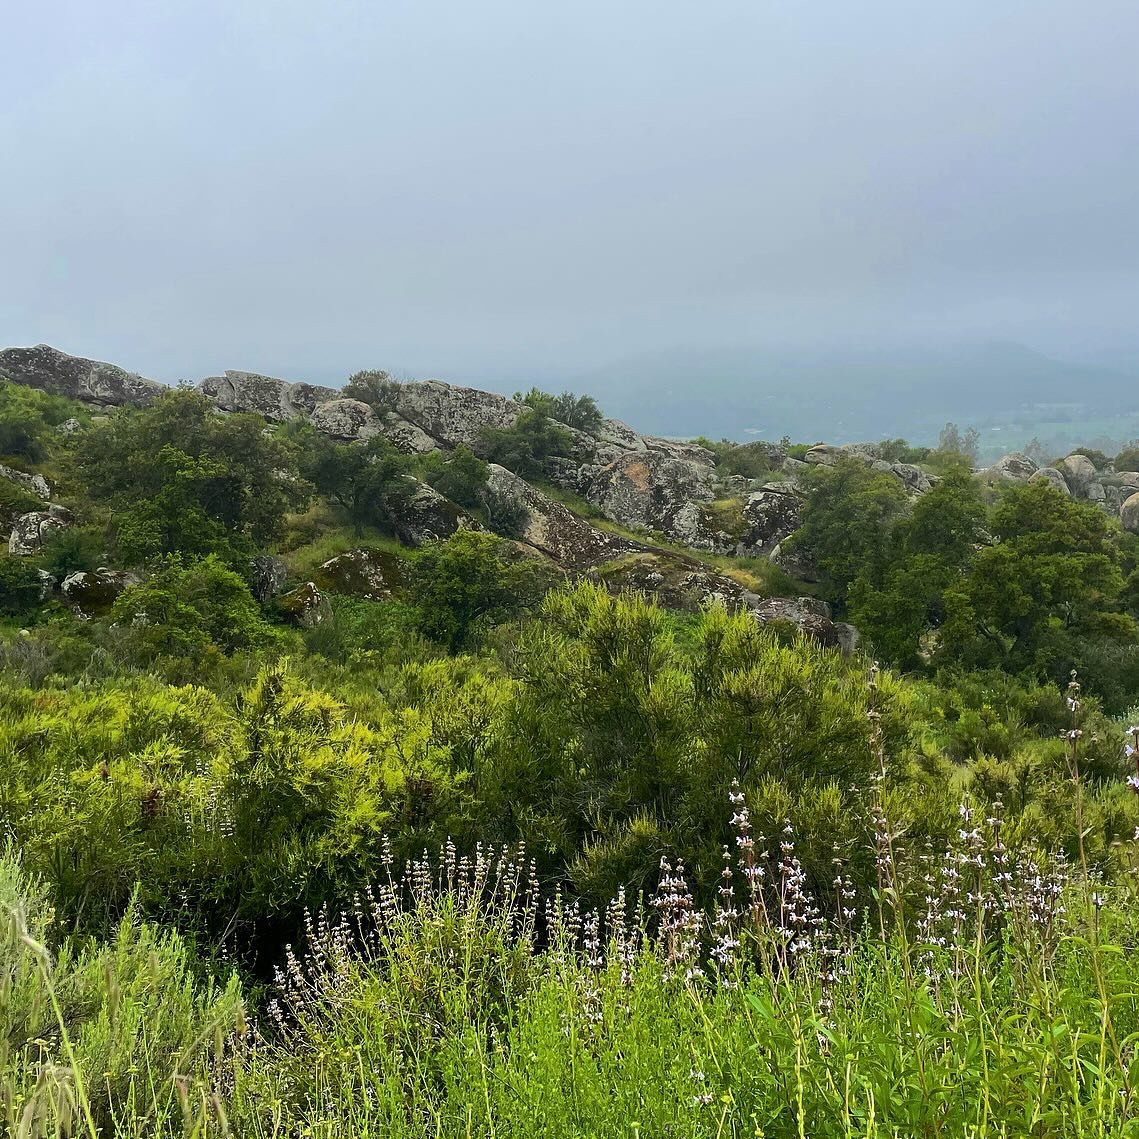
[[986, 992]]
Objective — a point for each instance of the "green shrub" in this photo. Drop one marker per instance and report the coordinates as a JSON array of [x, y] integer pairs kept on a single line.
[[184, 608], [26, 417], [470, 582], [374, 387], [525, 447], [20, 587], [462, 478], [182, 479], [104, 1036], [578, 411]]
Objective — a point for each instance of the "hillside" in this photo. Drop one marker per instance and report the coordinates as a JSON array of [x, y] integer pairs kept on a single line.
[[405, 759]]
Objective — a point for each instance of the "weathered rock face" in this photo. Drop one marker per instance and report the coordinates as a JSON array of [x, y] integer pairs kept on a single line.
[[405, 436], [75, 377], [94, 594], [276, 400], [679, 582], [429, 517], [269, 576], [673, 581], [1129, 514], [771, 514], [652, 491], [811, 616], [1079, 473], [69, 427], [305, 606], [33, 484], [34, 529], [1013, 468], [346, 419], [453, 415], [1053, 477], [795, 561], [1095, 493], [368, 573], [553, 530], [914, 479], [827, 455]]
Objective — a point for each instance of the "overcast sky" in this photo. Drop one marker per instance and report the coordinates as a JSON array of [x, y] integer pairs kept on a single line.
[[461, 188]]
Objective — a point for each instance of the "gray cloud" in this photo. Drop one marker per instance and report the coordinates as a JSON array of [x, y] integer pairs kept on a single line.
[[516, 188]]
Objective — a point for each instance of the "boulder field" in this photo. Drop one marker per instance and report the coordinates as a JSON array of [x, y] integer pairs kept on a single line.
[[665, 490]]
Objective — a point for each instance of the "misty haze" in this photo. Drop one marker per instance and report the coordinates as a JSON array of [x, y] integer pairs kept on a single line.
[[822, 221]]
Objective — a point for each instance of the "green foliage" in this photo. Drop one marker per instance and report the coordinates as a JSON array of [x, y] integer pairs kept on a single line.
[[369, 479], [73, 549], [897, 599], [469, 582], [1128, 458], [751, 460], [14, 501], [578, 411], [182, 479], [1051, 577], [847, 521], [373, 387], [103, 1037], [525, 447], [26, 417], [620, 746], [462, 478], [185, 609], [898, 451], [20, 587]]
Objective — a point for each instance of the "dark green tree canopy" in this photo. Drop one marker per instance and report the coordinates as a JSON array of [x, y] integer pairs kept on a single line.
[[525, 447], [369, 479], [182, 478], [578, 411]]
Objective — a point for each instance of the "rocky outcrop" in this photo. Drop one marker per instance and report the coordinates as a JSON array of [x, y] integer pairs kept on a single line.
[[275, 400], [33, 484], [652, 491], [1129, 514], [1079, 473], [795, 561], [1012, 468], [34, 529], [269, 575], [679, 582], [913, 478], [94, 593], [810, 616], [306, 607], [426, 516], [452, 415], [550, 528], [770, 514], [405, 436], [346, 420], [672, 580], [90, 381], [369, 573], [1053, 477]]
